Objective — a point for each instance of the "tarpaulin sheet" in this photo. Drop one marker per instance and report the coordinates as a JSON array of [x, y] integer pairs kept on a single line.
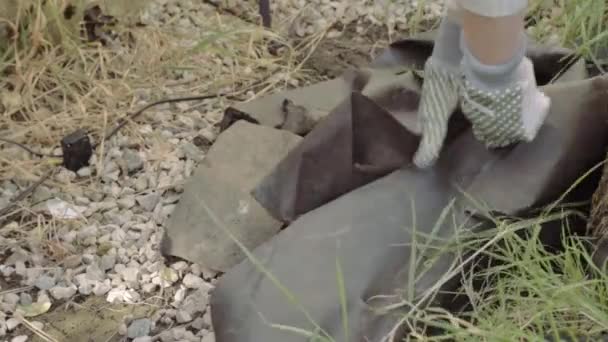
[[366, 224]]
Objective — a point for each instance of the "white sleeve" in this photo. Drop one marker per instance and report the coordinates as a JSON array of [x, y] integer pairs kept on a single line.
[[494, 8]]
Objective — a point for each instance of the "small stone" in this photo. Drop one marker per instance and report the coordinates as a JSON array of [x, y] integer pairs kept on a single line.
[[84, 172], [179, 333], [193, 282], [66, 176], [199, 324], [130, 274], [5, 307], [11, 298], [143, 339], [179, 266], [72, 261], [166, 336], [44, 282], [183, 317], [148, 202], [133, 161], [38, 325], [122, 329], [85, 286], [89, 231], [41, 194], [94, 273], [43, 298], [61, 292], [208, 338], [118, 235], [7, 271], [141, 184], [88, 258], [179, 295], [12, 323], [139, 327], [20, 338], [196, 302], [107, 262], [207, 318], [126, 202], [25, 299], [191, 151], [149, 287], [101, 288]]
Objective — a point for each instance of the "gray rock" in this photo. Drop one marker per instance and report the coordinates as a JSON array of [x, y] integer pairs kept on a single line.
[[101, 288], [12, 323], [139, 327], [84, 172], [126, 202], [143, 339], [85, 286], [25, 298], [192, 151], [20, 338], [122, 329], [94, 273], [209, 338], [193, 282], [130, 275], [195, 302], [41, 194], [179, 266], [199, 324], [88, 258], [207, 318], [11, 298], [166, 336], [148, 202], [72, 261], [240, 158], [141, 184], [183, 317], [149, 288], [107, 262], [63, 292], [133, 161]]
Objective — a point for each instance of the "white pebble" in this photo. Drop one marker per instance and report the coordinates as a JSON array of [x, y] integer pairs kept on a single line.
[[21, 338], [12, 323], [183, 317], [193, 282], [61, 292]]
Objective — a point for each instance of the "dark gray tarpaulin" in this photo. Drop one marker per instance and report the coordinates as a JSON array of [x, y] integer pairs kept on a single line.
[[359, 206]]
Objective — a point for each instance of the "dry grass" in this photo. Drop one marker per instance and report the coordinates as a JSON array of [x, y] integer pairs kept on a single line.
[[51, 87]]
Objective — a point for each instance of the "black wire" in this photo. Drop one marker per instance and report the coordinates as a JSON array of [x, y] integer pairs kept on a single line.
[[131, 117], [120, 125], [37, 154]]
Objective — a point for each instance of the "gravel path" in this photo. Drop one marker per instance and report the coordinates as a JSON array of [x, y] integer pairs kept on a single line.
[[118, 255]]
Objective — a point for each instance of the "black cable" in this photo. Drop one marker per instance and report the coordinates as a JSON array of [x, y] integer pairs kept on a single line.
[[120, 125], [131, 117], [37, 154]]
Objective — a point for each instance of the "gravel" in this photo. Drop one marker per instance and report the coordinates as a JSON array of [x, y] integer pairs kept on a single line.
[[139, 328]]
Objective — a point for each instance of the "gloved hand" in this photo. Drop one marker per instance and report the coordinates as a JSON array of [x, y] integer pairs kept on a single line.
[[502, 102], [440, 89], [440, 95], [508, 113]]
